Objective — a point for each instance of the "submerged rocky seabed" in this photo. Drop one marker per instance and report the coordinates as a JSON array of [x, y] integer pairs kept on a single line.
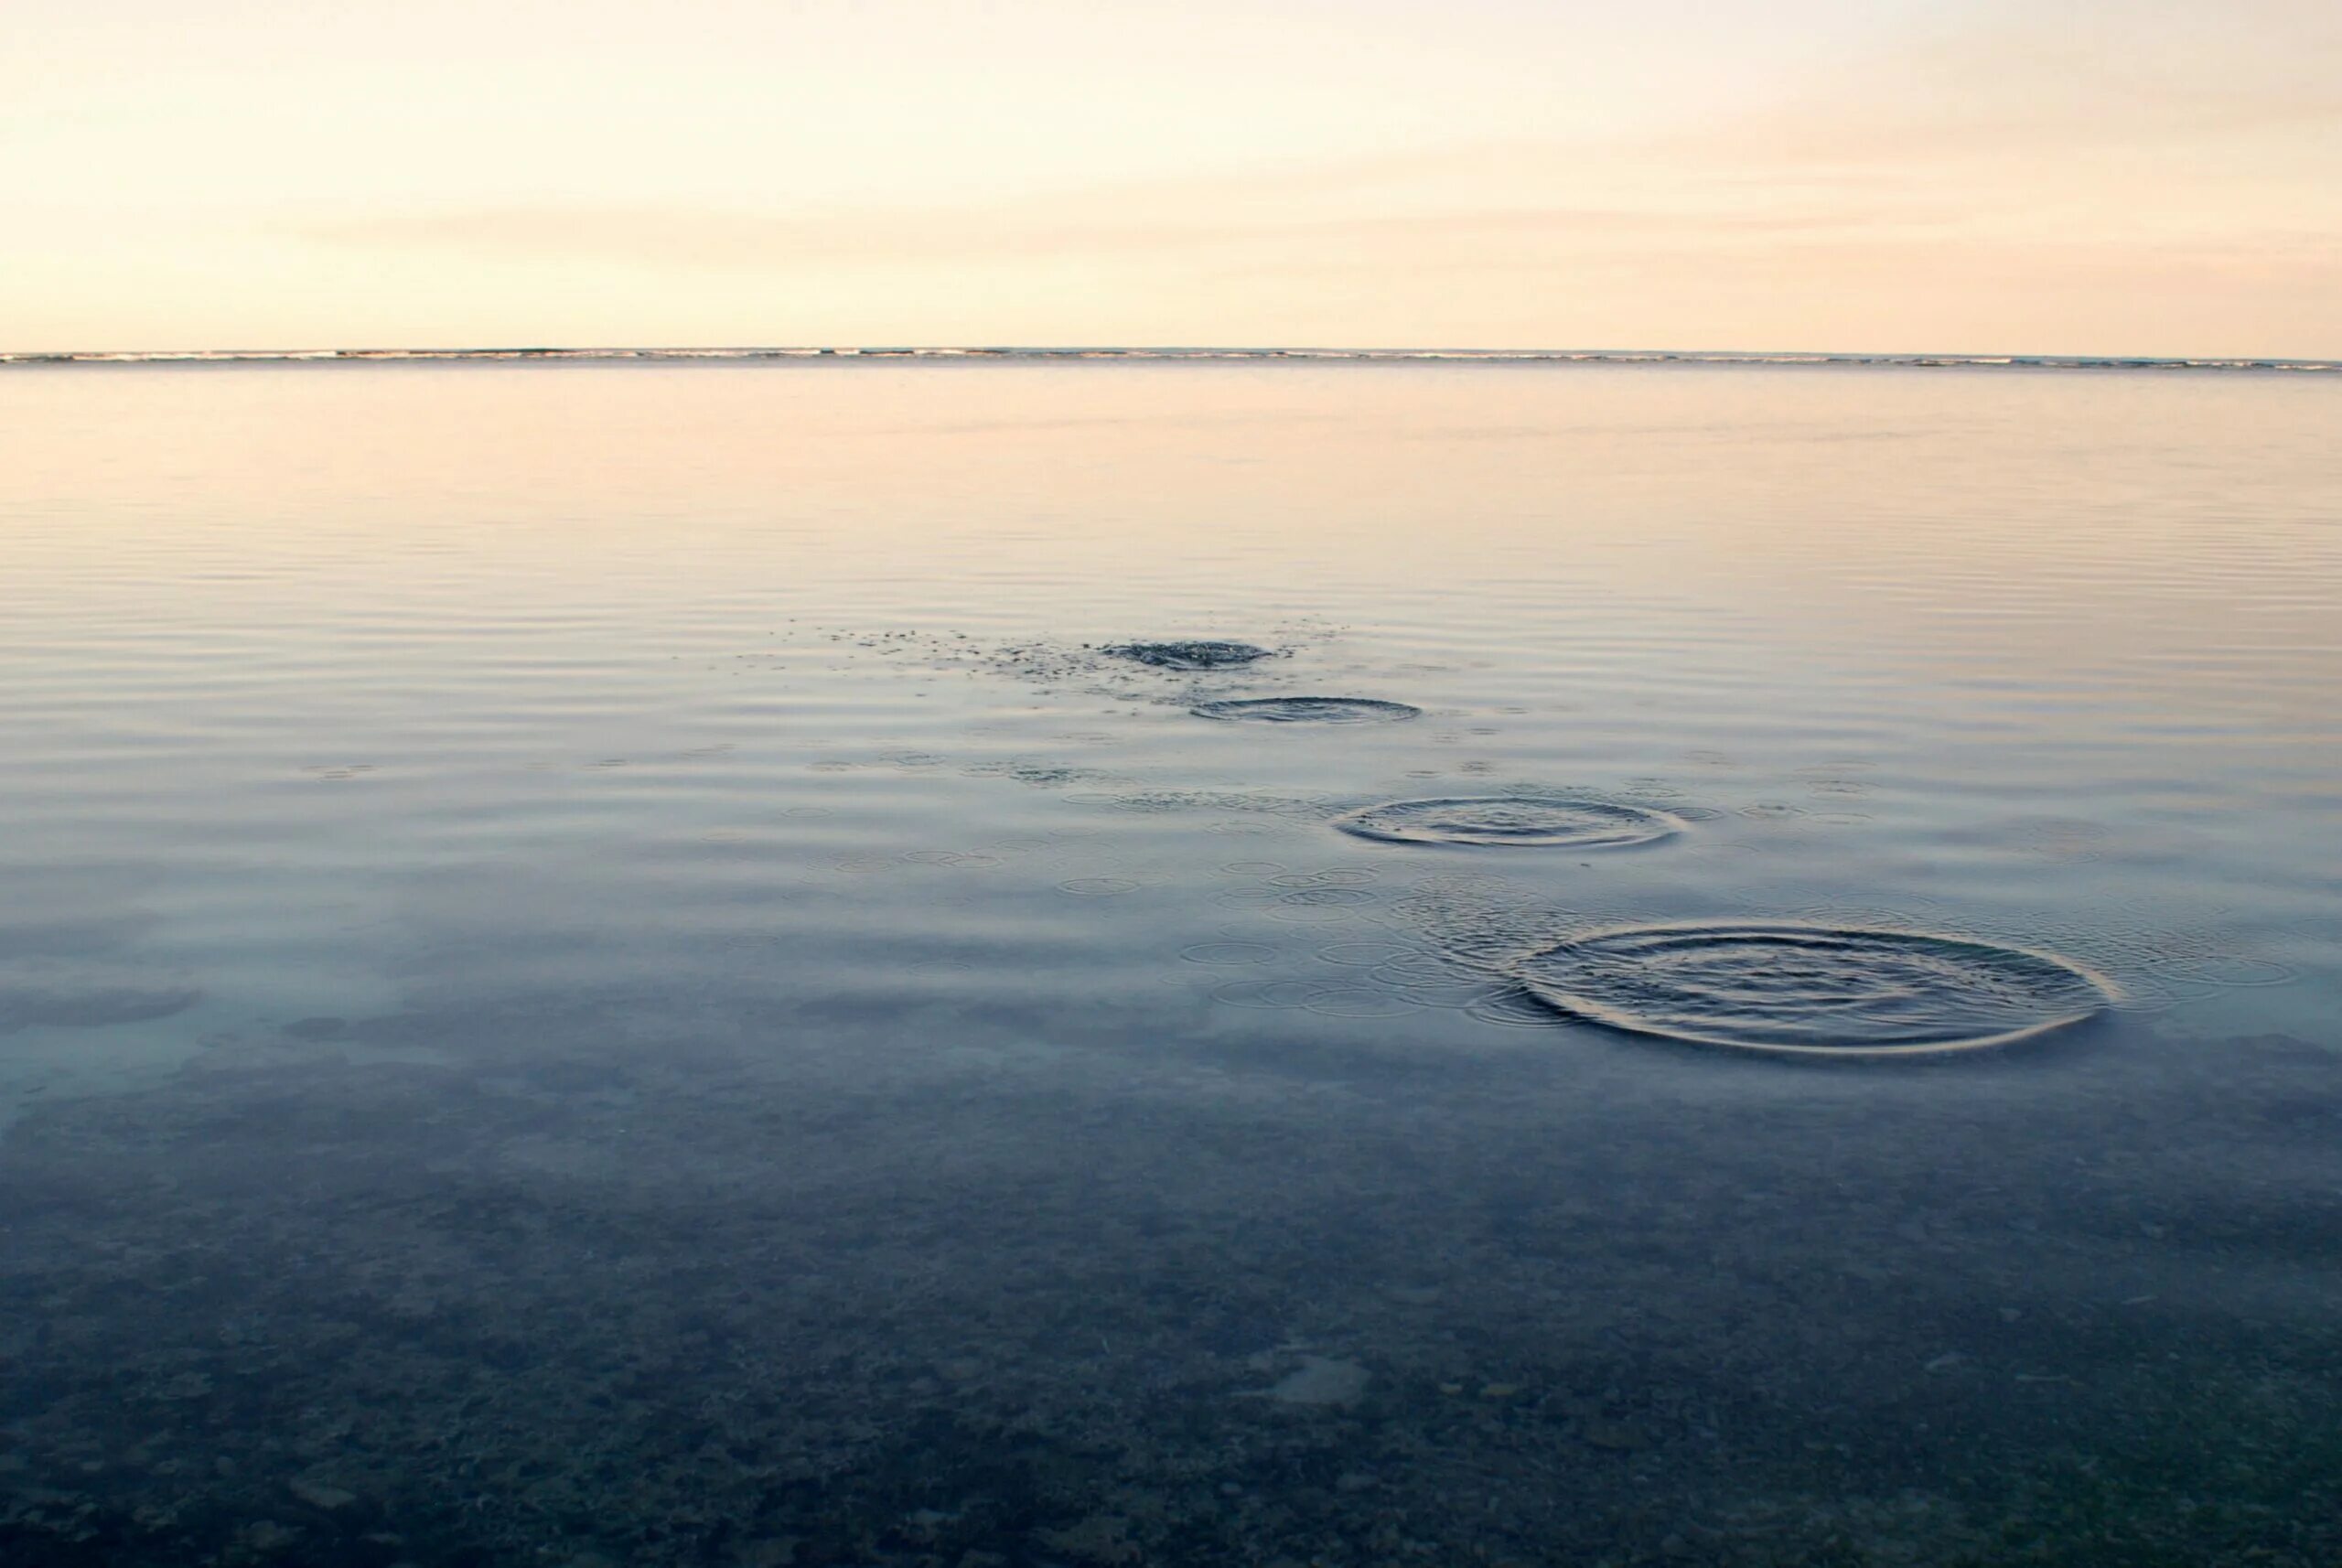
[[609, 1280]]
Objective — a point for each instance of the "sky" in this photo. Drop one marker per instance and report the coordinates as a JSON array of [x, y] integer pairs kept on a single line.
[[2061, 177]]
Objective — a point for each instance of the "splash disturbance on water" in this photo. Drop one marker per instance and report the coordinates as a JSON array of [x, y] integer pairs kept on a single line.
[[1517, 822], [1202, 655], [1891, 983], [1307, 710], [1813, 990]]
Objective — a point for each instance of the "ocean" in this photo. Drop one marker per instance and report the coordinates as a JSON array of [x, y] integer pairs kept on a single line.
[[1027, 960]]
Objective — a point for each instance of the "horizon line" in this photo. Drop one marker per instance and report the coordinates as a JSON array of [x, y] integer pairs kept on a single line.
[[509, 353]]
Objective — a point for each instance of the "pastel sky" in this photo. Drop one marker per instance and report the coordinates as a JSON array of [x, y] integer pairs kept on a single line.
[[2064, 176]]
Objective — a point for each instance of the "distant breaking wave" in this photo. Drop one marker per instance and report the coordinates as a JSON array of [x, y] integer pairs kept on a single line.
[[1453, 356]]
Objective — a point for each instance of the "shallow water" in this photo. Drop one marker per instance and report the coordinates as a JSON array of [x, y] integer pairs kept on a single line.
[[605, 963]]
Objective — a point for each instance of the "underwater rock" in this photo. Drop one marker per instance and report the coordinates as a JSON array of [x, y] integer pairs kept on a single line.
[[1617, 1436], [1322, 1380], [321, 1496]]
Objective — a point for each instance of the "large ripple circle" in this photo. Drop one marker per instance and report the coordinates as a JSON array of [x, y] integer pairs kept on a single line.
[[1524, 820], [1305, 710], [1813, 990]]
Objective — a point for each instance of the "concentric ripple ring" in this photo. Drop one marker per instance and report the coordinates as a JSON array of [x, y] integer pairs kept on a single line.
[[1307, 710], [1518, 821], [1813, 990]]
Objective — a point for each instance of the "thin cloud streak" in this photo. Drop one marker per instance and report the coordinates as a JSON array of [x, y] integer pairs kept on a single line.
[[1999, 131], [678, 236]]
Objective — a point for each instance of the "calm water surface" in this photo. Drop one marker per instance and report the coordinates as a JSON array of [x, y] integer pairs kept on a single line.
[[597, 966]]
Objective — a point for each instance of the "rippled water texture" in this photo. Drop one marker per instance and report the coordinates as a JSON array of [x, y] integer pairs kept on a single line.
[[649, 962], [1307, 710], [1515, 821], [1813, 990]]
